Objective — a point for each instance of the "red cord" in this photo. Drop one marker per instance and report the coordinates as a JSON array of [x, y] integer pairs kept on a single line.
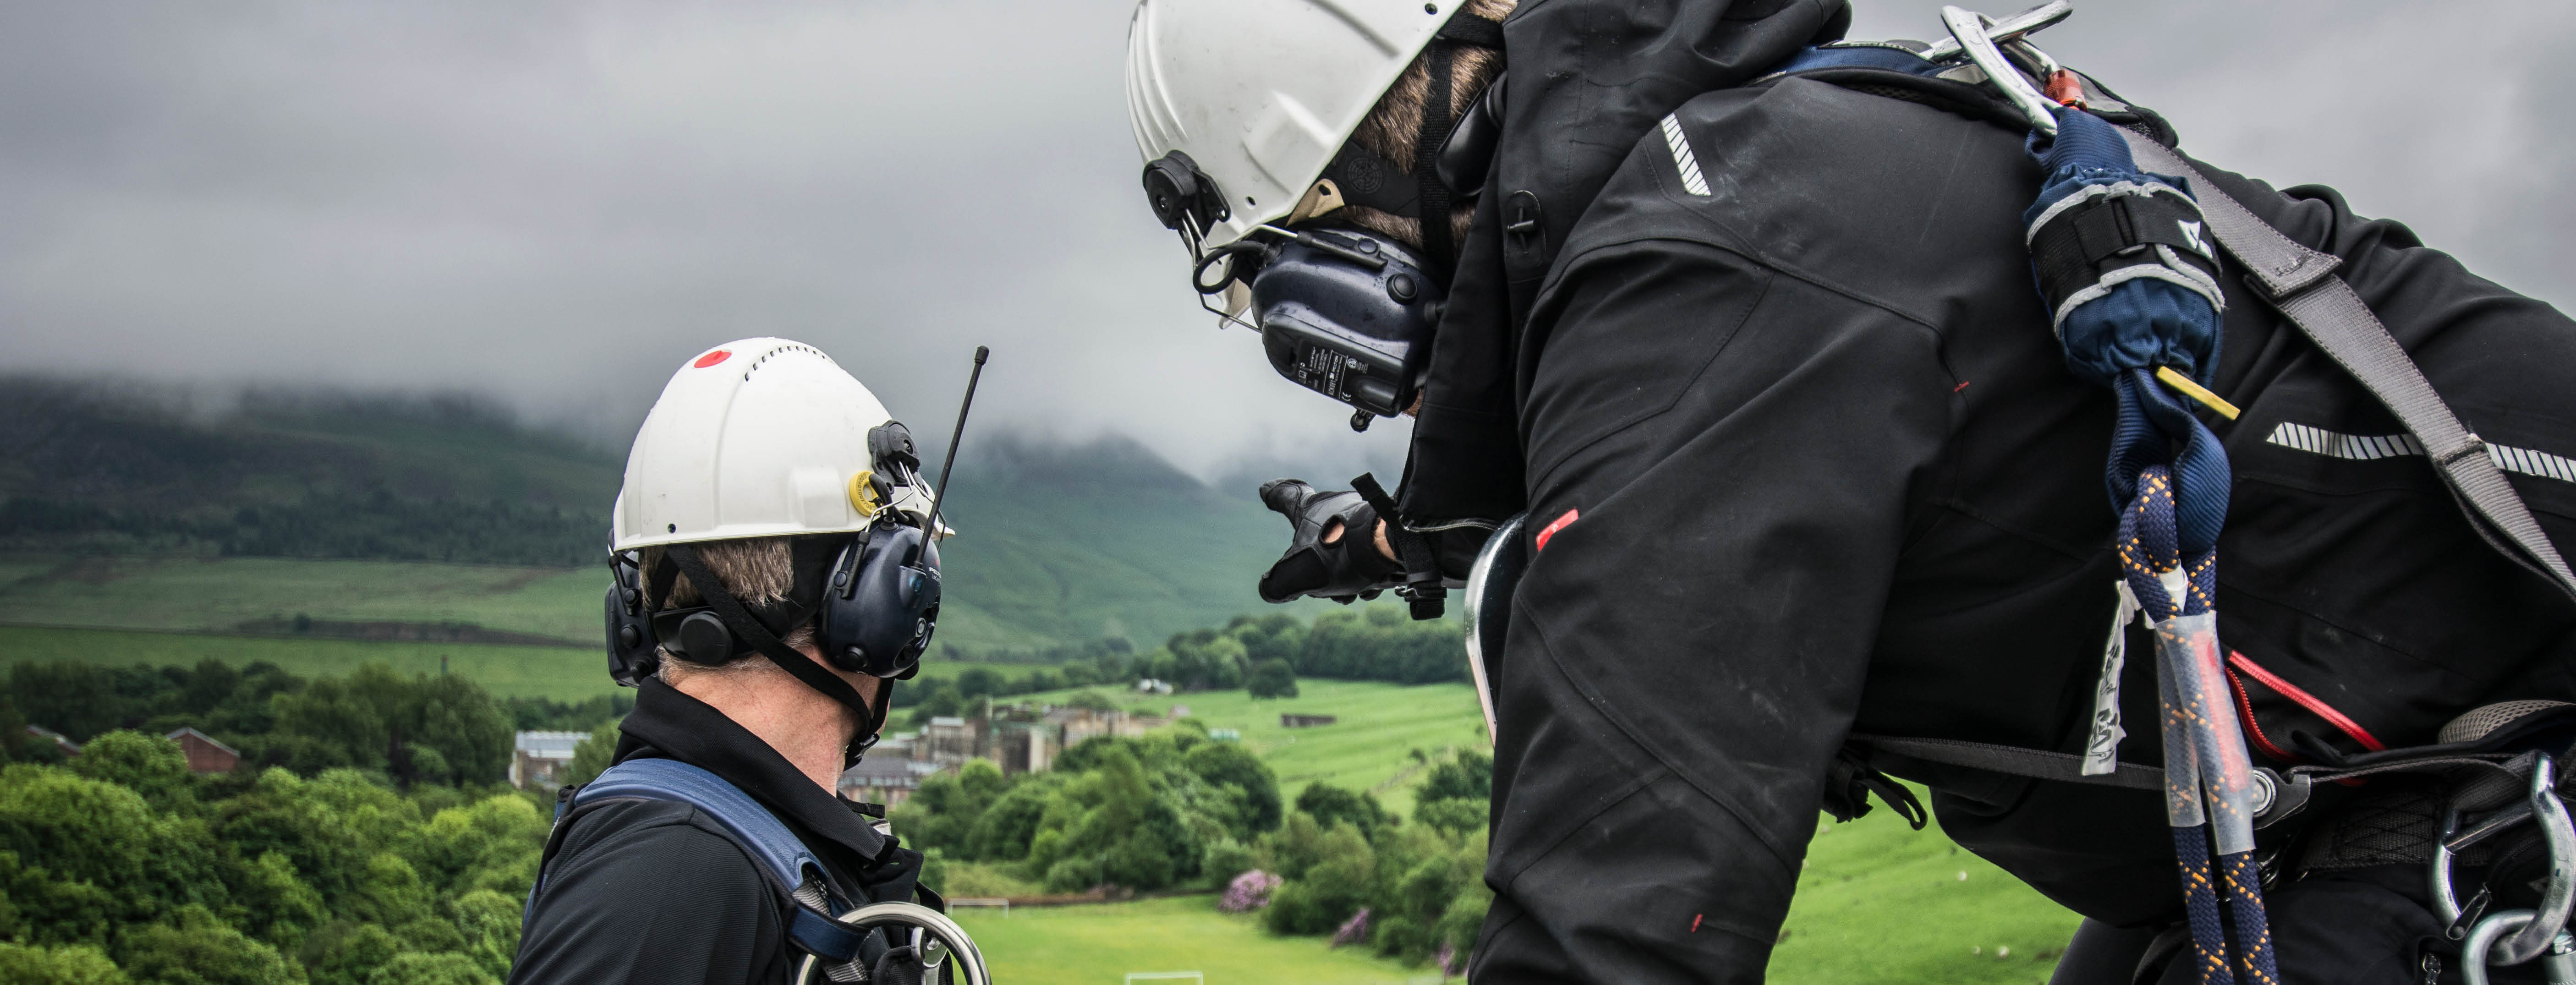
[[2245, 709], [2304, 699]]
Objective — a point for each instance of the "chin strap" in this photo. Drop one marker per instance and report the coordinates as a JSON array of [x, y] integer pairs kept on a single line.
[[749, 629], [1439, 247]]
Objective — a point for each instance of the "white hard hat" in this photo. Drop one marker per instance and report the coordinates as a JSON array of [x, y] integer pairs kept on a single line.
[[1261, 93], [756, 438]]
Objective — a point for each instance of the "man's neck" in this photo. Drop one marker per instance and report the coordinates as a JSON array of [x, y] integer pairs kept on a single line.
[[810, 730]]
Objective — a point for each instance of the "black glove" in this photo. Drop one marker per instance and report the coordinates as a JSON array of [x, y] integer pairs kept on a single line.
[[1347, 568]]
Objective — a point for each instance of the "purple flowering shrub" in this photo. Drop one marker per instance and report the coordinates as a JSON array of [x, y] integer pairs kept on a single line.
[[1354, 930], [1248, 892]]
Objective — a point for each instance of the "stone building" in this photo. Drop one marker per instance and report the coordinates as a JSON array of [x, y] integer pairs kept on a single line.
[[542, 758]]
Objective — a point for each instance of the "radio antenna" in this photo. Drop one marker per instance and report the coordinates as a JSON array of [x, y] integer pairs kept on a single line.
[[939, 499]]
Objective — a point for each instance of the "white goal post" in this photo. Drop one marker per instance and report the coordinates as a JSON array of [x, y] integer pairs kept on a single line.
[[1005, 904]]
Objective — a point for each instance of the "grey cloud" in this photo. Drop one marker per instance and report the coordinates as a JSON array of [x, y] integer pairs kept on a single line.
[[557, 202], [2449, 117]]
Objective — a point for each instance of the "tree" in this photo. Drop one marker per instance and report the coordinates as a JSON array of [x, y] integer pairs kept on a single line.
[[77, 700], [1468, 777], [1272, 679], [1335, 885], [978, 682], [79, 964], [146, 764], [1332, 805], [195, 948], [1230, 766], [591, 756]]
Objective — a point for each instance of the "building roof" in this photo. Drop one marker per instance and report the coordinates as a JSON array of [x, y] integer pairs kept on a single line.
[[948, 721], [879, 770], [201, 737], [60, 741], [550, 745]]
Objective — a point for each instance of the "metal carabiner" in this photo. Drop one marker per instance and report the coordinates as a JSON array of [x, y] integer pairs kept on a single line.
[[1969, 28], [2559, 963], [2446, 901], [2558, 897]]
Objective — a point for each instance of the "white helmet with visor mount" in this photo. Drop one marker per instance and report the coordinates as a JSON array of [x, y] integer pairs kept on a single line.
[[1243, 111]]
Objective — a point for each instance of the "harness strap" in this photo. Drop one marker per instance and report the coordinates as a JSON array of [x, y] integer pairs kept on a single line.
[[2301, 283], [784, 860], [2015, 761]]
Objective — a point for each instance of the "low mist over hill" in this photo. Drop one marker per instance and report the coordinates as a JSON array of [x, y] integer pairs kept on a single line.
[[1058, 543]]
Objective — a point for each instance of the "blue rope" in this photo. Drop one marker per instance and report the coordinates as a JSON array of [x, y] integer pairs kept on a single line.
[[2200, 906], [2253, 926], [2169, 478]]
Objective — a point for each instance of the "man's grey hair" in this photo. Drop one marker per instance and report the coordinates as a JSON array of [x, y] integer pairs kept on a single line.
[[758, 571]]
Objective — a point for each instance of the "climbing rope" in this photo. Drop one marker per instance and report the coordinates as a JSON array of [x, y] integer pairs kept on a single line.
[[2208, 778]]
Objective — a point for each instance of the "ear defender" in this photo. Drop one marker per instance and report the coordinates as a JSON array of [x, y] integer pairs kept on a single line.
[[631, 653], [879, 608], [882, 602]]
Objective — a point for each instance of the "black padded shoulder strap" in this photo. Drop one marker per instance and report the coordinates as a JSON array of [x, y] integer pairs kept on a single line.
[[2301, 282]]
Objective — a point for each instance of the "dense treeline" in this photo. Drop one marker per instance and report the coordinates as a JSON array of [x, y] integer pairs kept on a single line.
[[122, 866], [421, 729], [1377, 643], [1175, 809], [1168, 809], [377, 525]]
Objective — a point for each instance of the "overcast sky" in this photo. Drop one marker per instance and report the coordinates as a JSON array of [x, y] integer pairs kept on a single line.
[[557, 202]]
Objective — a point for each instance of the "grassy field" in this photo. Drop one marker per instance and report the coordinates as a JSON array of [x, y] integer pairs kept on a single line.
[[1100, 944], [167, 592], [1879, 904], [563, 673], [1368, 748]]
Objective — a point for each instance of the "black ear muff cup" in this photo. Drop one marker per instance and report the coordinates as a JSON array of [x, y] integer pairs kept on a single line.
[[702, 639], [631, 655], [883, 602]]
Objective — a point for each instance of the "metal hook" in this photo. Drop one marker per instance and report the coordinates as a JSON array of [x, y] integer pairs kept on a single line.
[[2560, 896], [1970, 29], [2559, 964], [2007, 30], [2446, 902]]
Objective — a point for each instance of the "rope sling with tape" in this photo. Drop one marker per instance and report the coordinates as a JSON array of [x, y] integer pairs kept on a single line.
[[2133, 294]]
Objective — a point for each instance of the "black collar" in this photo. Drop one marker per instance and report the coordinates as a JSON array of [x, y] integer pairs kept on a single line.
[[672, 725]]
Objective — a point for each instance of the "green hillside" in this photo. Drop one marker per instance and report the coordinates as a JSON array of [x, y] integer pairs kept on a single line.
[[119, 511]]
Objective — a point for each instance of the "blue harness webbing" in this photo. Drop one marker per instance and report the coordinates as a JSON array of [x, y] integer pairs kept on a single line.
[[784, 860], [2129, 282]]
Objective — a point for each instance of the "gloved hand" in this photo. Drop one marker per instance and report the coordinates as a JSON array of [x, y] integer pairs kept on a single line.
[[1345, 569]]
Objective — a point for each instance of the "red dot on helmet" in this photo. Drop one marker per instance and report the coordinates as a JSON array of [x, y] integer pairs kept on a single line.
[[710, 359]]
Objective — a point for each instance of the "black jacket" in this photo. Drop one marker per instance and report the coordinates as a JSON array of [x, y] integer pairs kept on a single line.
[[1831, 475], [652, 892]]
